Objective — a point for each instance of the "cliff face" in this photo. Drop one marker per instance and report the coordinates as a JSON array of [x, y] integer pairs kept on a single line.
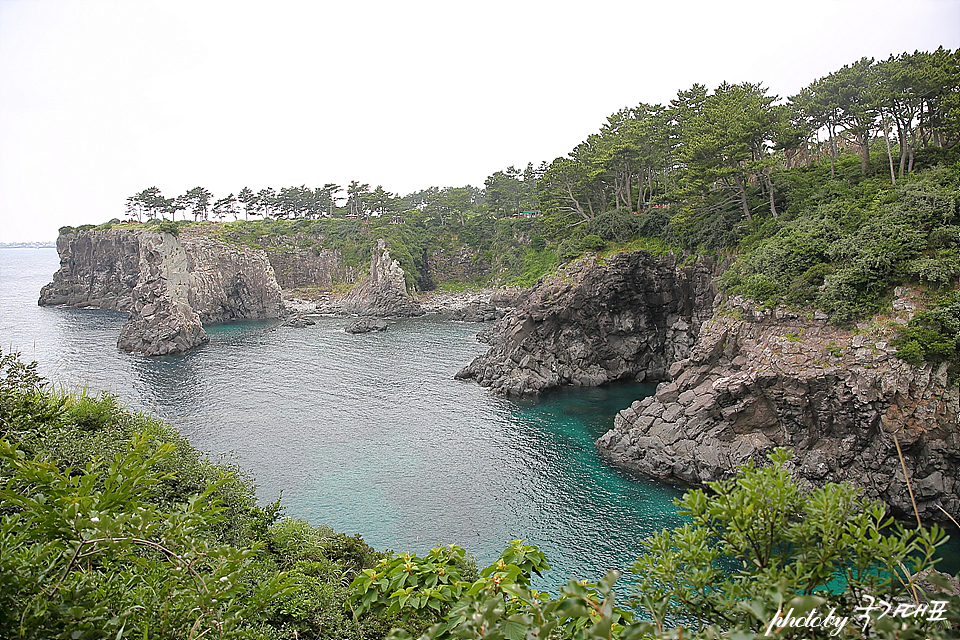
[[756, 380], [305, 268], [629, 317], [170, 285], [97, 269]]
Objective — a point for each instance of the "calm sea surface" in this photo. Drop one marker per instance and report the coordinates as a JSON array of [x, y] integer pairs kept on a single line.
[[370, 433]]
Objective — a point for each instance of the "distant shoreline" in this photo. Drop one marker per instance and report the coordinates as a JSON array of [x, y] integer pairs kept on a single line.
[[28, 245]]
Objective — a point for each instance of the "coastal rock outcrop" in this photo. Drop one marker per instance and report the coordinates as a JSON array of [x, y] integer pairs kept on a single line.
[[629, 316], [366, 325], [170, 285], [838, 398], [384, 291]]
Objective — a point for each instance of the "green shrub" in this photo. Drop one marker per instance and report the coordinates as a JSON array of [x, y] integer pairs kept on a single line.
[[592, 242]]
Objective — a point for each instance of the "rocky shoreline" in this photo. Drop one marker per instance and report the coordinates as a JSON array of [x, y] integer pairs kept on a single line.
[[839, 398], [735, 381], [629, 316], [173, 285]]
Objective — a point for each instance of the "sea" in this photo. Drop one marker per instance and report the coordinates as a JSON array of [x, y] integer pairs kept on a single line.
[[368, 433]]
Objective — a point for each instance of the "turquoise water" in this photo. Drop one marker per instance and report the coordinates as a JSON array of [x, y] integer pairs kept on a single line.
[[369, 434]]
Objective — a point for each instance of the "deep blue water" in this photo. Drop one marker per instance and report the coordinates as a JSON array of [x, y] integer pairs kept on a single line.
[[369, 434]]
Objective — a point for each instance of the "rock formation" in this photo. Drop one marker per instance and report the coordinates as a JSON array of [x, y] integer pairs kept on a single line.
[[596, 321], [171, 286], [384, 291], [366, 325], [760, 379]]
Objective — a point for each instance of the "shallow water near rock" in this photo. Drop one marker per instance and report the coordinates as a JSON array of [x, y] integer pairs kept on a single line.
[[368, 433]]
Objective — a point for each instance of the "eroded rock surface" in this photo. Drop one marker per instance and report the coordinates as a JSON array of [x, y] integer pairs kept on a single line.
[[759, 379], [171, 286], [628, 317], [383, 292]]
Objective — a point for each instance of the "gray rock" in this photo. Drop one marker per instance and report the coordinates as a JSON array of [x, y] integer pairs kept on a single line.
[[383, 293], [754, 395], [366, 325], [630, 317], [171, 285]]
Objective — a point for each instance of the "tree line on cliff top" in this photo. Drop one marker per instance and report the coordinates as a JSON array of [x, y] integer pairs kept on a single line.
[[831, 197], [707, 149]]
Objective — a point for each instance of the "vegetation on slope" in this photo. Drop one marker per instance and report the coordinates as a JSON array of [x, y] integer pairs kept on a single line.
[[113, 526]]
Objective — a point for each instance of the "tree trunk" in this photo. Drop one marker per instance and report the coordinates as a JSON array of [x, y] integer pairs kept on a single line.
[[773, 207], [833, 150], [886, 138], [863, 140], [741, 189]]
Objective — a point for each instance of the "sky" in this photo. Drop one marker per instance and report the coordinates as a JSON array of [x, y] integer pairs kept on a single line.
[[100, 99]]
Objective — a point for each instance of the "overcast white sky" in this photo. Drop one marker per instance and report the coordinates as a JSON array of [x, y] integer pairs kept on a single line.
[[100, 99]]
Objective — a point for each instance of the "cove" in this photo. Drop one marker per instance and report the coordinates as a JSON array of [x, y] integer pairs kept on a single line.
[[369, 433]]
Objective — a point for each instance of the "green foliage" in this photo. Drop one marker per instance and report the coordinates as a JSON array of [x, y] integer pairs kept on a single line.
[[755, 546], [846, 254], [615, 226], [933, 336], [498, 603], [168, 226], [760, 543], [114, 526], [592, 242], [85, 555]]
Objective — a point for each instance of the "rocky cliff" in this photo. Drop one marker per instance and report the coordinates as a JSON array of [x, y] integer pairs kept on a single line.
[[305, 268], [838, 398], [384, 291], [736, 383], [170, 285], [626, 317]]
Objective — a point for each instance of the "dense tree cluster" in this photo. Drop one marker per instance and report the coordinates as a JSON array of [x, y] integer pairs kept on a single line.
[[830, 197], [706, 150]]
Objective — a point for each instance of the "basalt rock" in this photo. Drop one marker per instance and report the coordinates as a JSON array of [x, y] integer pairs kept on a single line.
[[383, 292], [628, 317], [760, 379], [366, 325], [170, 285]]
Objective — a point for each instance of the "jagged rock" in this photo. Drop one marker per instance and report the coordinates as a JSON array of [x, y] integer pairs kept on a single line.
[[170, 285], [753, 382], [298, 322], [478, 312], [594, 322], [384, 291], [366, 325]]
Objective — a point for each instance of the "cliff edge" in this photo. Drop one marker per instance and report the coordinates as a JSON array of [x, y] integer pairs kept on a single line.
[[759, 379], [597, 320], [170, 285]]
